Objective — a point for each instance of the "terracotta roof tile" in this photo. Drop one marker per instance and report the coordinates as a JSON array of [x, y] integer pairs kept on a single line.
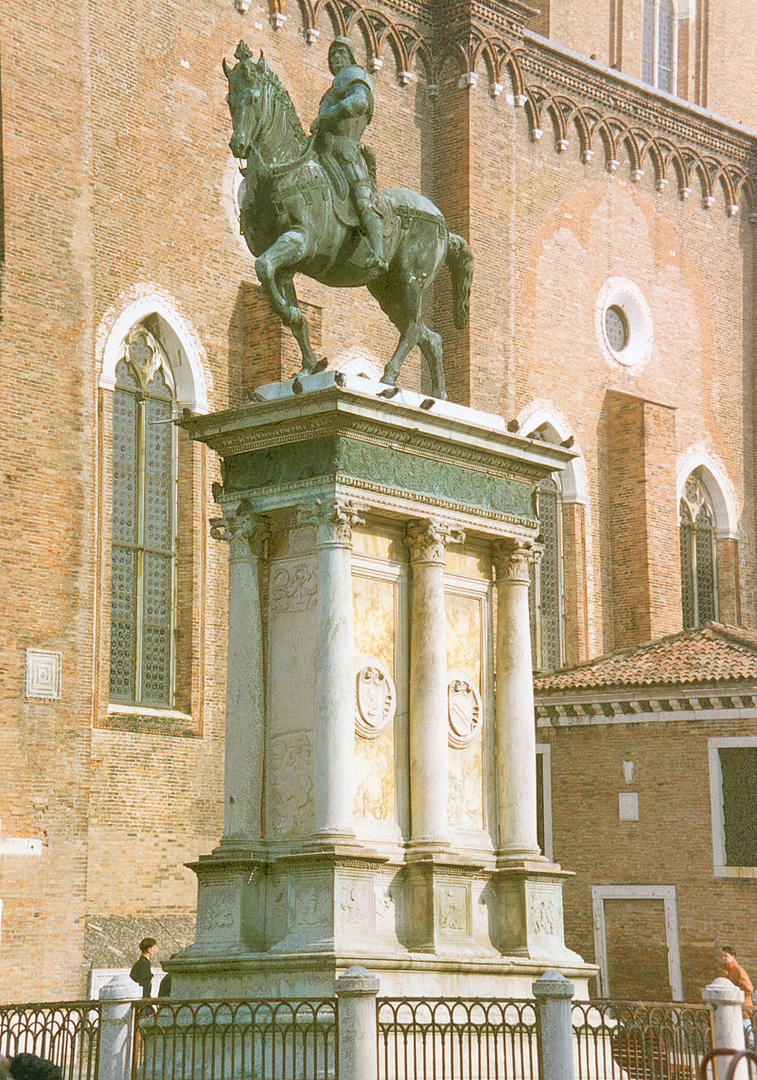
[[710, 653]]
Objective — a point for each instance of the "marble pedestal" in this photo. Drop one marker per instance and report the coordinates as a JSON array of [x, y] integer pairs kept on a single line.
[[380, 796]]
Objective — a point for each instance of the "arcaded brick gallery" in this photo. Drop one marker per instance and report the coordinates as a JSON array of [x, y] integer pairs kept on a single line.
[[598, 156]]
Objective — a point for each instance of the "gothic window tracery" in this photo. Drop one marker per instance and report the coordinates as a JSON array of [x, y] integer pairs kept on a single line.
[[546, 591], [698, 554], [143, 526], [659, 45]]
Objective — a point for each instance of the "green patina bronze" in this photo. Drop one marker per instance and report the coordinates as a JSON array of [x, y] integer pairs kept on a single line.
[[400, 471], [311, 206]]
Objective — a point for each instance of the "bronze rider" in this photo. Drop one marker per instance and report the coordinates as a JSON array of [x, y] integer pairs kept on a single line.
[[345, 111]]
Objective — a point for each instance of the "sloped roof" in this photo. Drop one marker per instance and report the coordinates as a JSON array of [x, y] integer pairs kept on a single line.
[[711, 653]]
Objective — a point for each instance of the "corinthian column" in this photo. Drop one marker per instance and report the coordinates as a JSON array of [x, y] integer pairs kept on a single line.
[[245, 686], [334, 751], [515, 733], [429, 766]]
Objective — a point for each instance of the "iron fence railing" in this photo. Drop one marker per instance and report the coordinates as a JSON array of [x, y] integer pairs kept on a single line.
[[66, 1032], [631, 1040], [217, 1040], [460, 1039]]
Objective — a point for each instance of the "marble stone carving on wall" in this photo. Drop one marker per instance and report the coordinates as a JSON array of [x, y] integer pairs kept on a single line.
[[453, 908], [294, 586], [464, 710], [375, 697], [290, 785]]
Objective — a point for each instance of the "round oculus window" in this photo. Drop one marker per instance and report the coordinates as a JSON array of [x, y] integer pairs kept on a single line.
[[623, 323], [616, 328]]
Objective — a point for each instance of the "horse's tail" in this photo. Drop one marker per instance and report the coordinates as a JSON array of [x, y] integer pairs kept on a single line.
[[460, 266]]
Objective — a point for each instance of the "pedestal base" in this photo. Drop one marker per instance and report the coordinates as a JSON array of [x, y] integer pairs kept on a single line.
[[433, 923]]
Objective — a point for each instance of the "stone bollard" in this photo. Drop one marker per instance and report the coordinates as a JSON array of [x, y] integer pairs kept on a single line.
[[554, 996], [356, 991], [727, 1003], [116, 1030]]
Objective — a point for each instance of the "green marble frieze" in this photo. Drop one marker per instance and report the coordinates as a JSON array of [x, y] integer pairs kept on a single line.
[[407, 472]]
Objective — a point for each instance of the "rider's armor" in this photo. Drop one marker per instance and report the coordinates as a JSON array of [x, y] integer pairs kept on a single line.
[[345, 111]]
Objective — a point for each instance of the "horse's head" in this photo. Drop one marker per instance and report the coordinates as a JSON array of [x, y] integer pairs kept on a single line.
[[246, 82]]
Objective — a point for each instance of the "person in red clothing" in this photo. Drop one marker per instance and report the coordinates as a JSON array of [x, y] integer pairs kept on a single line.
[[733, 971]]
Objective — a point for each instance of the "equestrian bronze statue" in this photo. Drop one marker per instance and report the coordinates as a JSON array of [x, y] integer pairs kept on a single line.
[[311, 206]]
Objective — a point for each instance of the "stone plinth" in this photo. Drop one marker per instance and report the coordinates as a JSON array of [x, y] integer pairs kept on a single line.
[[381, 798]]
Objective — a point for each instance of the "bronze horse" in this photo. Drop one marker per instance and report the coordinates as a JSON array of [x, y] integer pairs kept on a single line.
[[295, 220]]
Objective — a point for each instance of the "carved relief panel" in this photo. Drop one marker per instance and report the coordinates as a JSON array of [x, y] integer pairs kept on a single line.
[[289, 787]]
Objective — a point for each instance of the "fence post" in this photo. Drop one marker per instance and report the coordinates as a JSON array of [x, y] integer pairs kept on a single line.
[[356, 991], [727, 1004], [554, 996], [116, 1018]]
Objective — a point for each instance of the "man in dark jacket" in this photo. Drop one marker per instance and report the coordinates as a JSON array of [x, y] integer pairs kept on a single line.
[[31, 1067], [141, 972]]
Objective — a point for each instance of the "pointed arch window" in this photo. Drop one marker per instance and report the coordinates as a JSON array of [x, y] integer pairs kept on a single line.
[[143, 582], [659, 45], [698, 554], [546, 592]]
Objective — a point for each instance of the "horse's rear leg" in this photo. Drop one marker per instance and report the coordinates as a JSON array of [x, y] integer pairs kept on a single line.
[[405, 312], [431, 346]]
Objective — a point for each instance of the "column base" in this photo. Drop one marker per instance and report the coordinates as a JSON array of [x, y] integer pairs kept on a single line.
[[529, 905], [230, 897]]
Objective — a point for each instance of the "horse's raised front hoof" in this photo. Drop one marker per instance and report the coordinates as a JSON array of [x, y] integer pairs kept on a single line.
[[389, 377]]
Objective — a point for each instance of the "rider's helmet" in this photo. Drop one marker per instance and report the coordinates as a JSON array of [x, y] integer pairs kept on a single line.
[[344, 43]]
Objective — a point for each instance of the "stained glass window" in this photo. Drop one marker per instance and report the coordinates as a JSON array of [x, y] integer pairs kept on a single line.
[[658, 44], [144, 526], [545, 594], [698, 554]]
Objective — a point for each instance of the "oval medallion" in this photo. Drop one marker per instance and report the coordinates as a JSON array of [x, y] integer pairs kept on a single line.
[[375, 697], [464, 709]]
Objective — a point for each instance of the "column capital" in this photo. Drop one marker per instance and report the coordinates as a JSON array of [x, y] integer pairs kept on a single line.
[[427, 540], [241, 527], [334, 519], [512, 558]]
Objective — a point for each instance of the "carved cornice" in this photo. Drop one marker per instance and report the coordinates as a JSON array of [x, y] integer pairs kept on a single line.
[[439, 448], [627, 709], [599, 111]]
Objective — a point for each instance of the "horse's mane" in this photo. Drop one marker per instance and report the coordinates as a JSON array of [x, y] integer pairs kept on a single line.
[[281, 97]]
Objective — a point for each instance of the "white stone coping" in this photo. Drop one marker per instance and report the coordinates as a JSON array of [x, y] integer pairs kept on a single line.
[[361, 397]]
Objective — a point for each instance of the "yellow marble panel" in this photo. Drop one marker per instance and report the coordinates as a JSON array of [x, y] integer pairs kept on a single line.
[[465, 643], [468, 563], [374, 616], [465, 805], [374, 777], [373, 602], [378, 542]]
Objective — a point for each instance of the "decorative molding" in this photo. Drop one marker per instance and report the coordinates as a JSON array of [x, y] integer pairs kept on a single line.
[[607, 109], [626, 709], [375, 697], [666, 893], [43, 673], [465, 710]]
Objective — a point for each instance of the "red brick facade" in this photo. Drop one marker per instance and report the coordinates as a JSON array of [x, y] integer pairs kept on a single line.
[[115, 195]]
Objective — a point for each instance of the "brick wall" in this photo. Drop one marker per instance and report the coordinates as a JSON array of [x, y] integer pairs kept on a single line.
[[670, 844]]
